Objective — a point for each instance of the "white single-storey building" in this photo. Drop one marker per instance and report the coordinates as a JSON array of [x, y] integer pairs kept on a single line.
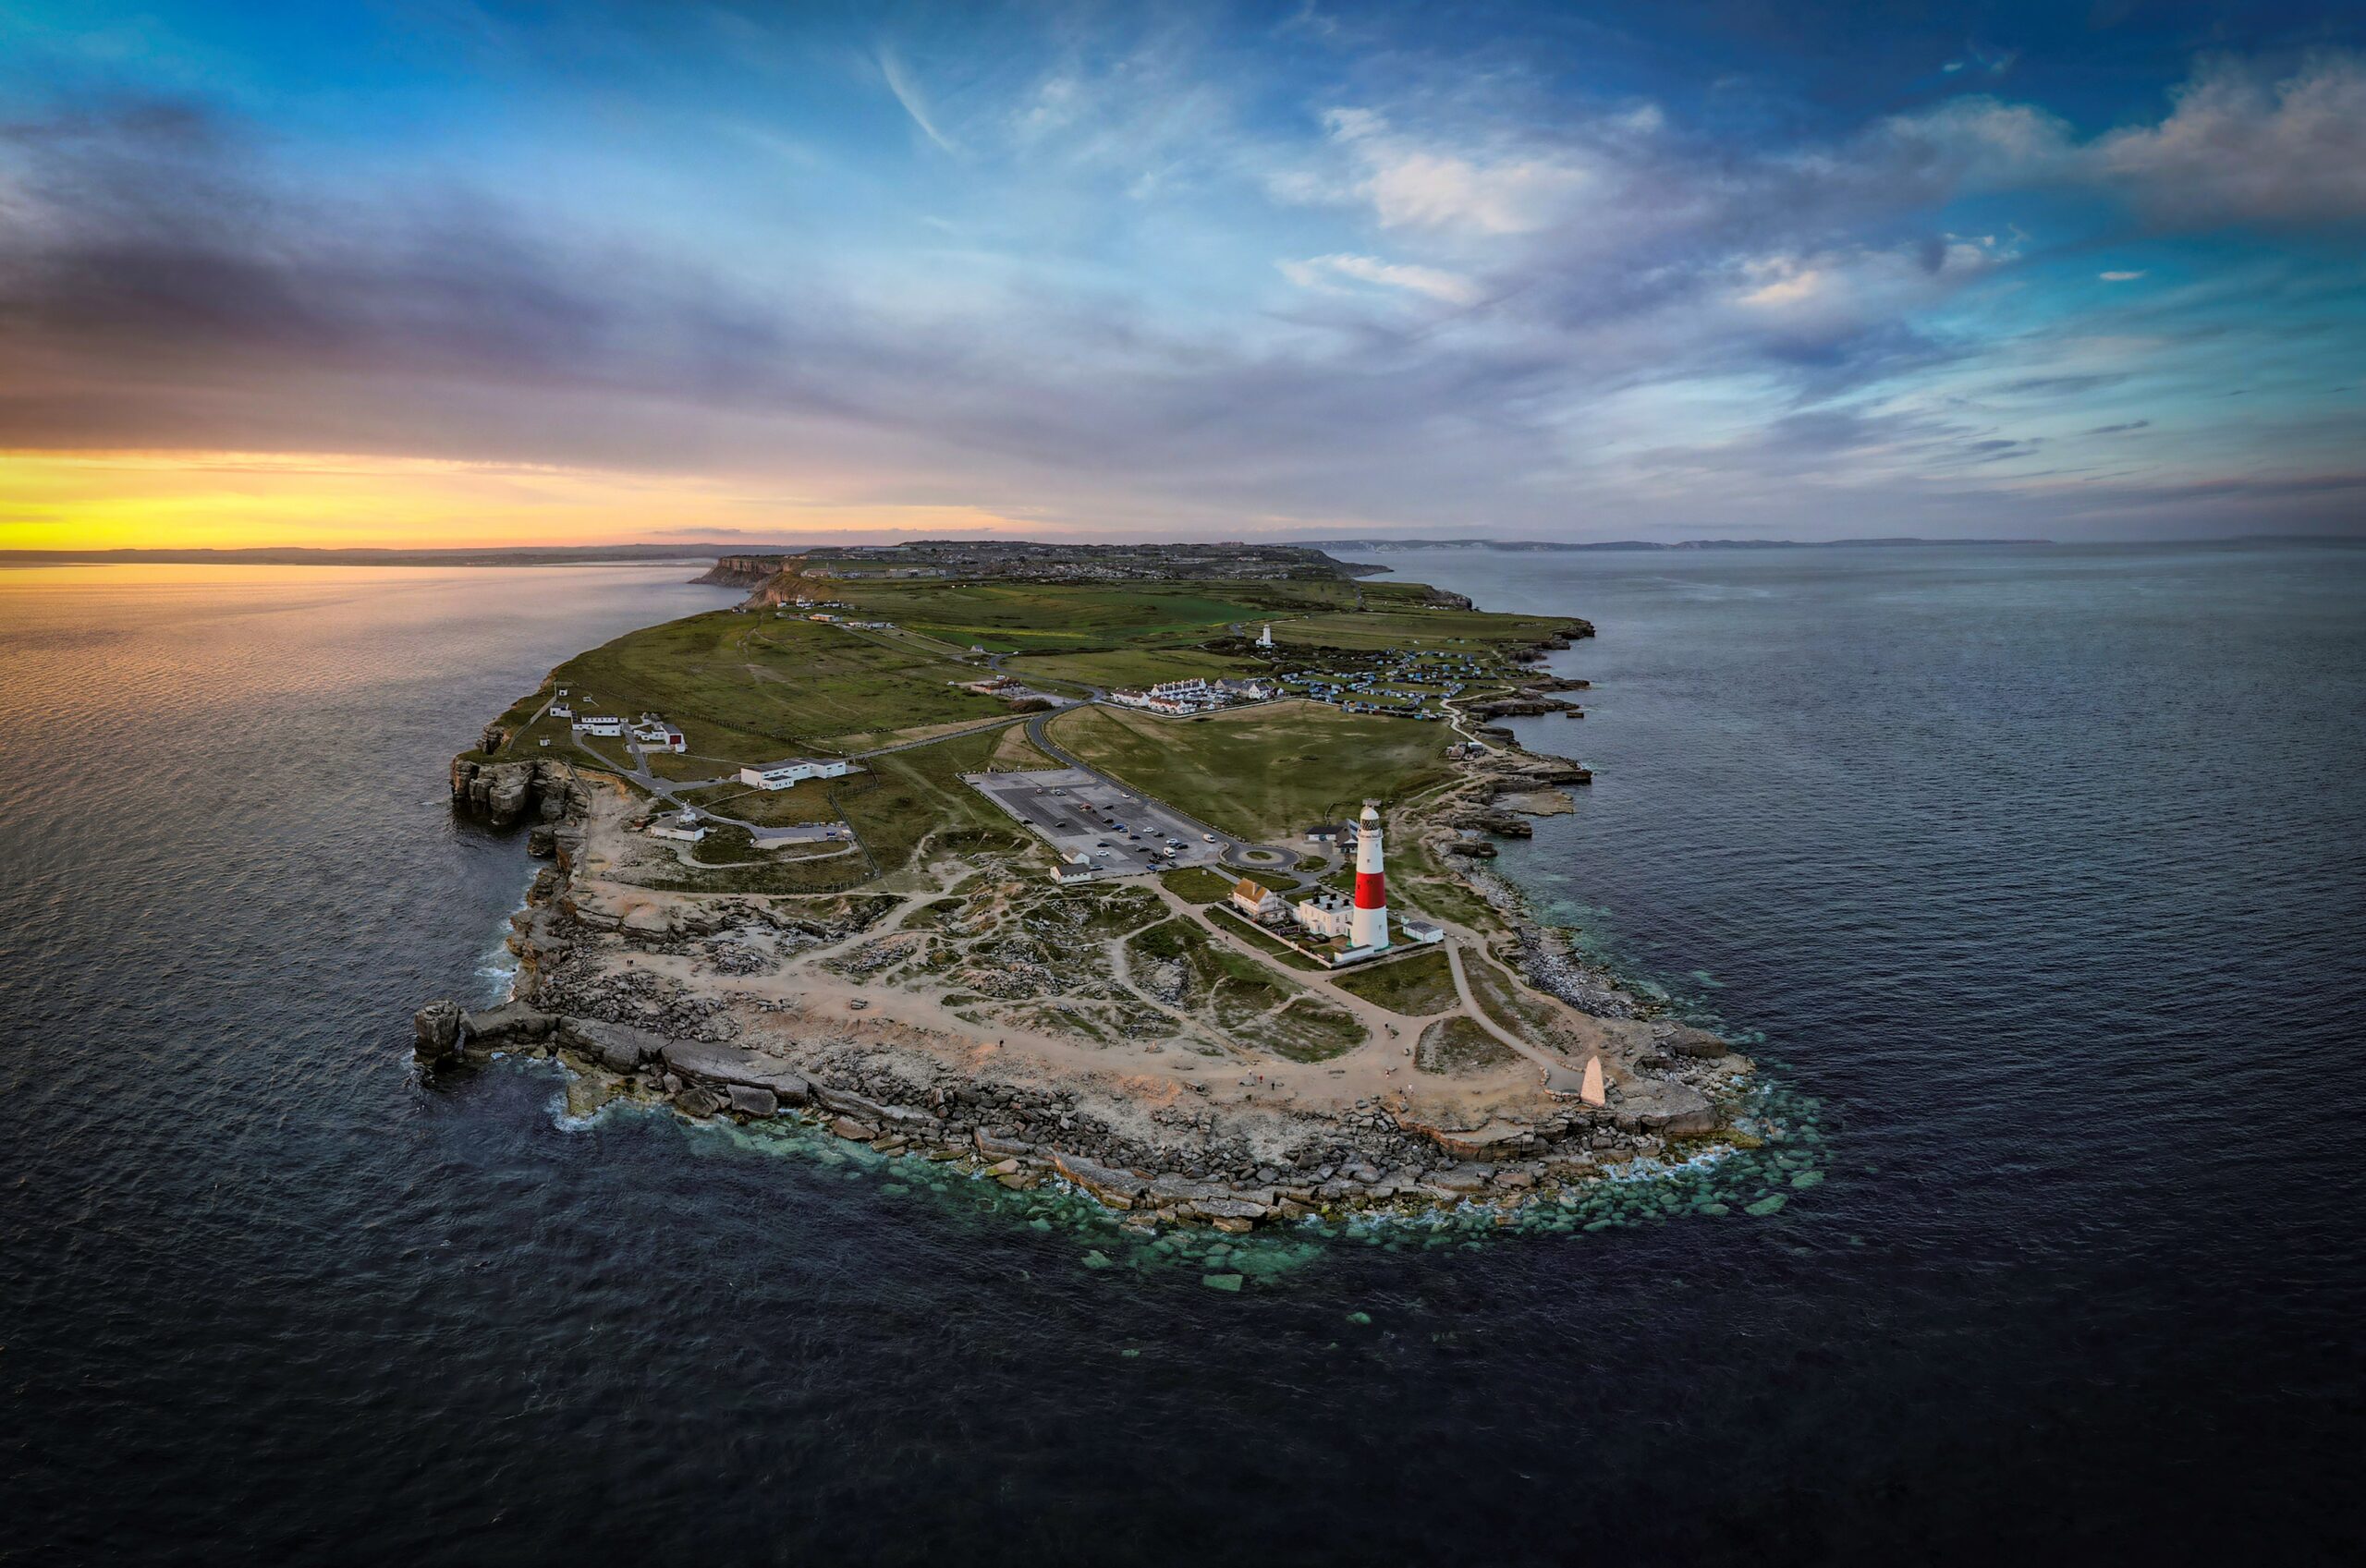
[[593, 724], [684, 826], [783, 775]]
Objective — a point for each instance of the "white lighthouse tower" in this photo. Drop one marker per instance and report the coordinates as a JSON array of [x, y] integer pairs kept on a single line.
[[1370, 926], [1265, 638]]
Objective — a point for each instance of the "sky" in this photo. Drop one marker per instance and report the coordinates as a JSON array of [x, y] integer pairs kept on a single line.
[[463, 272]]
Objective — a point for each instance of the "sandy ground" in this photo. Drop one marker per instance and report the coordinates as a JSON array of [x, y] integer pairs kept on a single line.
[[802, 1003]]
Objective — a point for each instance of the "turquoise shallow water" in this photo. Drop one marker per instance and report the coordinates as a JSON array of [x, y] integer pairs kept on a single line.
[[2038, 872]]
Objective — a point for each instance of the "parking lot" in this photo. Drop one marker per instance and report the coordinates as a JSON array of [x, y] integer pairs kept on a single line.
[[1077, 814]]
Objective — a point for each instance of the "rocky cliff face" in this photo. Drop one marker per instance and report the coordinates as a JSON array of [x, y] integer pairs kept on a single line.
[[503, 792], [741, 571]]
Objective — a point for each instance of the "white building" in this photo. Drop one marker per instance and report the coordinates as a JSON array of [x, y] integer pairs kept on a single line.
[[594, 724], [684, 826], [785, 775], [1257, 900], [1325, 915], [1194, 695], [1265, 638], [561, 711], [656, 734]]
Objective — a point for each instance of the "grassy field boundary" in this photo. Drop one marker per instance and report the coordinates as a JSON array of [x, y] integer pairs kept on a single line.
[[1224, 919], [1412, 987]]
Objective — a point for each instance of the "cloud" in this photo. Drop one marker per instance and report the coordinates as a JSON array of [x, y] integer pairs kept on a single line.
[[2119, 429], [2243, 148], [2076, 384], [1319, 272], [2119, 277], [1510, 303], [908, 92], [1411, 185]]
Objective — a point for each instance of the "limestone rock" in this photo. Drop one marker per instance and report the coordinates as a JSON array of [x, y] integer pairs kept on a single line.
[[507, 1024], [754, 1101], [1674, 1109], [1111, 1186], [723, 1065], [618, 1047], [1221, 1208], [435, 1030], [1686, 1040]]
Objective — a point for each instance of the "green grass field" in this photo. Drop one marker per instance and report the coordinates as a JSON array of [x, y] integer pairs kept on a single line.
[[1007, 617], [920, 790], [910, 797], [752, 688], [1197, 883], [1266, 773], [1415, 986], [1121, 668], [807, 802], [1264, 941]]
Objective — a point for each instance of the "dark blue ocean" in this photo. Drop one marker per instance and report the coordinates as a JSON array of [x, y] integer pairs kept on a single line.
[[2036, 871]]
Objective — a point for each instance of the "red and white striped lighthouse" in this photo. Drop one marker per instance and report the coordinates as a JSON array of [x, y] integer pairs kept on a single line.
[[1370, 926]]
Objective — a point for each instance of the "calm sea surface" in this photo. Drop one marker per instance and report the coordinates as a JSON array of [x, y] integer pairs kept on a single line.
[[2043, 872]]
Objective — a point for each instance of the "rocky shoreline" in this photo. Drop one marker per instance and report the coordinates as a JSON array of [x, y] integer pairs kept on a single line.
[[1175, 1154]]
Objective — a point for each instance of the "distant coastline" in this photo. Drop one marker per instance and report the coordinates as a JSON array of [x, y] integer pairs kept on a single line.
[[297, 556], [706, 552], [1680, 544]]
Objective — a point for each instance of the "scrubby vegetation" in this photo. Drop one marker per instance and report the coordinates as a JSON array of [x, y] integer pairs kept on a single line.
[[1459, 1044]]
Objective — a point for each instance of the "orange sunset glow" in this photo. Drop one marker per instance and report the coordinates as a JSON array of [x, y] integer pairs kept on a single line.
[[231, 500]]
